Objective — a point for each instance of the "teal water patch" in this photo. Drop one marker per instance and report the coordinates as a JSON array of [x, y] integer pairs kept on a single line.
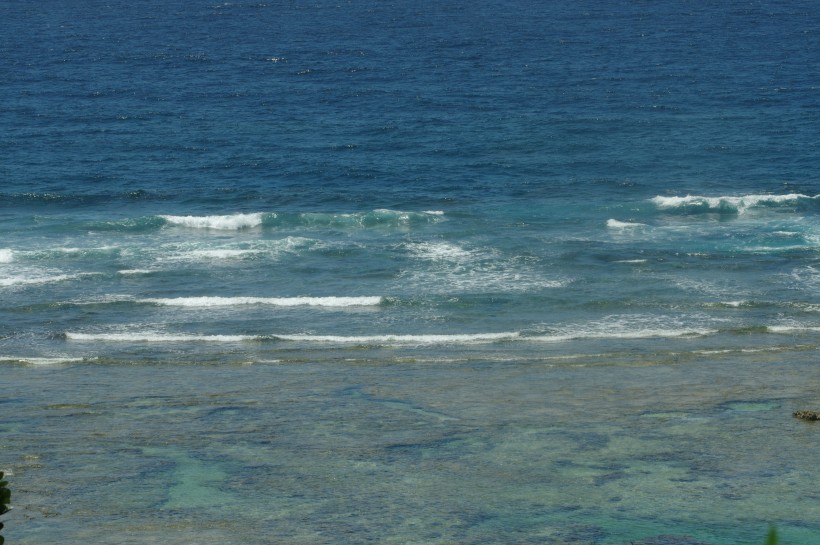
[[357, 392], [528, 453], [194, 483], [752, 406]]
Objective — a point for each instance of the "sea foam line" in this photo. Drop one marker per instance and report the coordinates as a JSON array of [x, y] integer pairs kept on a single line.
[[467, 338], [157, 337], [339, 339], [240, 221], [786, 329], [210, 301], [389, 340], [738, 204], [28, 280], [56, 360], [131, 272], [633, 334]]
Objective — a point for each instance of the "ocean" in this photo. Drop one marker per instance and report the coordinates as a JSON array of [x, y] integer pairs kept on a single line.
[[325, 272]]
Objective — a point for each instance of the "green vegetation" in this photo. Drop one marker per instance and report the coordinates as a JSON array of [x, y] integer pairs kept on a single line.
[[772, 539], [5, 499]]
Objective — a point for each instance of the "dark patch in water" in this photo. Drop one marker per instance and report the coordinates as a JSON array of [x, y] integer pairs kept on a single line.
[[614, 476], [582, 535], [670, 540], [750, 405]]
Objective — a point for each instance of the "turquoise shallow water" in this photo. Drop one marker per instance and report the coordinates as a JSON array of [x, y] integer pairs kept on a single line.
[[362, 272], [571, 451]]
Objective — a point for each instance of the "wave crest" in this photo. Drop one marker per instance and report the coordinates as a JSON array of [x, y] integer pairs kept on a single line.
[[231, 222], [730, 204], [330, 302], [374, 218], [156, 337], [467, 338], [623, 225]]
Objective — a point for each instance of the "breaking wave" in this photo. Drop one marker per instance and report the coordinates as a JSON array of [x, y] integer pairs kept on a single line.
[[230, 222], [623, 225], [330, 302], [265, 220], [233, 222], [156, 337], [731, 204]]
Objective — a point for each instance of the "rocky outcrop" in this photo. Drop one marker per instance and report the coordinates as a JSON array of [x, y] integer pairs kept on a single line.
[[806, 415]]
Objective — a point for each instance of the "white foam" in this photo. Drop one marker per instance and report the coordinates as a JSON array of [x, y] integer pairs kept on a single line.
[[27, 279], [268, 249], [627, 327], [130, 272], [630, 261], [274, 301], [473, 338], [646, 333], [797, 328], [451, 268], [221, 253], [6, 255], [84, 250], [231, 222], [439, 251], [740, 203], [434, 212], [622, 225], [156, 337], [806, 277], [42, 361], [496, 276]]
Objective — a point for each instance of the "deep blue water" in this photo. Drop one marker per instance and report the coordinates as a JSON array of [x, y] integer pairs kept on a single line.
[[355, 198]]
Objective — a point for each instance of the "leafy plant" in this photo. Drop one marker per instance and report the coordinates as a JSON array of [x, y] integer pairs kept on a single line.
[[772, 539], [5, 499]]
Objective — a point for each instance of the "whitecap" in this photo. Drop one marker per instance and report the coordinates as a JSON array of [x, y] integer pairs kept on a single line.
[[45, 361], [739, 204], [622, 225], [131, 272], [467, 338], [6, 255], [439, 251], [212, 301], [27, 279], [156, 337], [221, 253], [795, 328], [231, 222], [734, 304]]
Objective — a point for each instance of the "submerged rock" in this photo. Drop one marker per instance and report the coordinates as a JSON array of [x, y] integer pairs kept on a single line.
[[806, 415]]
